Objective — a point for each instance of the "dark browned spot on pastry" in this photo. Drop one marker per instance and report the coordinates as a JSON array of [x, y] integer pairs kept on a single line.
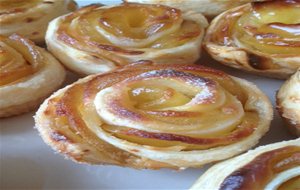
[[58, 137], [47, 111], [257, 62], [29, 19], [48, 2], [86, 150], [96, 57], [35, 33]]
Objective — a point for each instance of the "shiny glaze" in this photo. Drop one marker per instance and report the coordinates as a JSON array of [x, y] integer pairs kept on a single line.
[[263, 30], [260, 171]]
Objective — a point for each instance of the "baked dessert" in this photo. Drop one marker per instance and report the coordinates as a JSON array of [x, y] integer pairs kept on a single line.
[[207, 7], [261, 38], [274, 166], [288, 102], [30, 18], [28, 74], [97, 39], [155, 116]]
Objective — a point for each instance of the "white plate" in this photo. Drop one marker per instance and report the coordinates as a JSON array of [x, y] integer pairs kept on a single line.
[[28, 163]]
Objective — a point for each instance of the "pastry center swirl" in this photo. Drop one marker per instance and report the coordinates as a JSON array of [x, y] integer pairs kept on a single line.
[[127, 26], [169, 102], [18, 59]]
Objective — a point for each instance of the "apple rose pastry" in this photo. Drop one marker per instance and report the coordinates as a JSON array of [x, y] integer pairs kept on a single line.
[[288, 103], [27, 75], [274, 166], [261, 37], [155, 116], [31, 17], [97, 39], [206, 7]]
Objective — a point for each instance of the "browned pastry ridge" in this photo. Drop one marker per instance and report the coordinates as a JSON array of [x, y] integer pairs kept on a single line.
[[288, 102], [273, 166], [260, 37], [155, 116]]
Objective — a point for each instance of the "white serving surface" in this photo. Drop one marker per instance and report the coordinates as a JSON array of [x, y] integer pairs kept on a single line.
[[26, 162]]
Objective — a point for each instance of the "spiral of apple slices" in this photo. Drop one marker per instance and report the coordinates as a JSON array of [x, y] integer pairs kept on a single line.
[[97, 39], [30, 18], [27, 75], [261, 37], [155, 116], [274, 166]]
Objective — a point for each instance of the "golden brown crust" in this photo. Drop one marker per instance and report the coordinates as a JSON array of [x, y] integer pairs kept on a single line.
[[25, 72], [80, 120], [104, 42], [266, 167], [206, 7], [230, 39], [30, 18], [288, 103]]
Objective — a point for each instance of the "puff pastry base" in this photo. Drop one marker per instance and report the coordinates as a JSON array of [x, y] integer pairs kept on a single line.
[[288, 102]]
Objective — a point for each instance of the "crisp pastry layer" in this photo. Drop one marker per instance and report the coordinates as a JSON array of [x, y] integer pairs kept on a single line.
[[261, 37], [97, 39], [155, 116], [30, 18], [28, 74], [206, 7], [274, 166], [288, 102]]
